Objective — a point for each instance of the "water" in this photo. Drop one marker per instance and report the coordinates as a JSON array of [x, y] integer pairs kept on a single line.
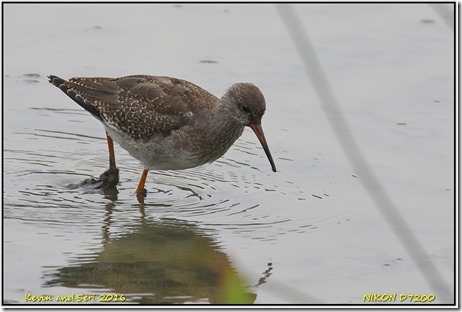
[[306, 234]]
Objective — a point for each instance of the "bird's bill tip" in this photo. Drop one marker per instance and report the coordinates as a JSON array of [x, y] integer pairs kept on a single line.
[[258, 130]]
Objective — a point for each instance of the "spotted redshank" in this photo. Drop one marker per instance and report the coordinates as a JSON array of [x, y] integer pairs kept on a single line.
[[168, 123]]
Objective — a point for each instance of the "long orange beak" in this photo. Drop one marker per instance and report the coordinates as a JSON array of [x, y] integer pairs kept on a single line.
[[256, 127]]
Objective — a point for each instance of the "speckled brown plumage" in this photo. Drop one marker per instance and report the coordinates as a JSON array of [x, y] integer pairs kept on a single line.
[[169, 123], [141, 106]]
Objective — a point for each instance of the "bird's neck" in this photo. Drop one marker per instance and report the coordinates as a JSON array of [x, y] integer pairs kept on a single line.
[[230, 128], [220, 131]]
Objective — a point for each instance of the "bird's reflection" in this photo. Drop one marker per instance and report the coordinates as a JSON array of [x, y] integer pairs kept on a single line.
[[168, 261]]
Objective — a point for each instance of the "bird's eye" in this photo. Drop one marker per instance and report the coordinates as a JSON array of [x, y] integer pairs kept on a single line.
[[245, 109]]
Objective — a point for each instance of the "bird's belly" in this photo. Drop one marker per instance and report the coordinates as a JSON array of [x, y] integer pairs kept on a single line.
[[165, 153]]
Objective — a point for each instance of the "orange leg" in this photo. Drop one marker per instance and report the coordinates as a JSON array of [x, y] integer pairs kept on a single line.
[[140, 187], [110, 177], [140, 191], [110, 144]]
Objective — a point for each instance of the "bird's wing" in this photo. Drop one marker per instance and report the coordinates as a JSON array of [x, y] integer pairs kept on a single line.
[[141, 106]]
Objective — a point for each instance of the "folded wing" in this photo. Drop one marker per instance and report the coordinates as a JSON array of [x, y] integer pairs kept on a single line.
[[141, 106]]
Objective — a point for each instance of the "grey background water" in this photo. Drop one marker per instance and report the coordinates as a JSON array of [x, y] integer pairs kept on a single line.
[[306, 234]]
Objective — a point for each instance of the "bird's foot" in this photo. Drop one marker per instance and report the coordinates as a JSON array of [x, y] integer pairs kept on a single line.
[[109, 177], [141, 195]]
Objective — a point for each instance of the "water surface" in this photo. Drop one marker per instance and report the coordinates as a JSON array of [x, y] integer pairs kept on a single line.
[[306, 234]]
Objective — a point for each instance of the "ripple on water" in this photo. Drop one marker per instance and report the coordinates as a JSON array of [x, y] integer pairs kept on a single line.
[[238, 192]]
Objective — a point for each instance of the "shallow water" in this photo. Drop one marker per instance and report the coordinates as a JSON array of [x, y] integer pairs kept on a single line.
[[306, 234]]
